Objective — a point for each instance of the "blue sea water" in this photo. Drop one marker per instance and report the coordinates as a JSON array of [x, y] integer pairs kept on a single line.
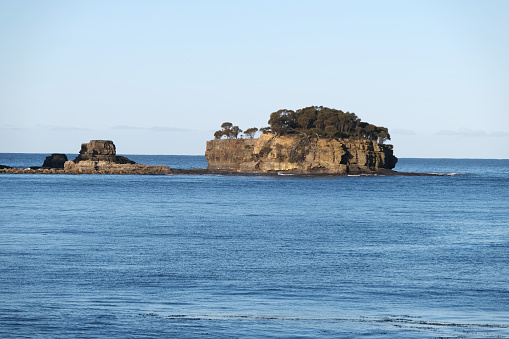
[[255, 256]]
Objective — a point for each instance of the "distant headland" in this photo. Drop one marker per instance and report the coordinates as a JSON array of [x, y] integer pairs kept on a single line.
[[310, 141]]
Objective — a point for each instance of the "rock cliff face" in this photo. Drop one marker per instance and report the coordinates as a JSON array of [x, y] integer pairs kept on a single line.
[[296, 155]]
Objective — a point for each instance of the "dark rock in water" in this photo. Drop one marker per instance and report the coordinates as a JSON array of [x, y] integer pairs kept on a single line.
[[4, 167], [56, 160], [101, 150], [123, 160]]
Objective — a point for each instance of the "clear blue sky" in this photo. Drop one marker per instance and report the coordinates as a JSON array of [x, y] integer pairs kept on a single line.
[[159, 77]]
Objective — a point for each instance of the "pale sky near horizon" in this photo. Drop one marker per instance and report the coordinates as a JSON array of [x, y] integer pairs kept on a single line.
[[159, 77]]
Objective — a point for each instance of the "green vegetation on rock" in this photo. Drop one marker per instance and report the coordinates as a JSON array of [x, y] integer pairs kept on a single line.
[[313, 121], [325, 122]]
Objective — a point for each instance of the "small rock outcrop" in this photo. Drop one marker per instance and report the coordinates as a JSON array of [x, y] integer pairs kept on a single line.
[[101, 150], [96, 157], [56, 160], [100, 157], [287, 154]]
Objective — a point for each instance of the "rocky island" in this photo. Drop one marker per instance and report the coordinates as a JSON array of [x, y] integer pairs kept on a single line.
[[99, 157], [310, 141]]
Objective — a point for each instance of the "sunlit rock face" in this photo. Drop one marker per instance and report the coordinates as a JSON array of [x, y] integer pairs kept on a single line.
[[295, 154]]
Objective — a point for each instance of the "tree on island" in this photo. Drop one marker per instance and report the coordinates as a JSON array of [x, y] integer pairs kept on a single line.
[[250, 132], [325, 122], [311, 122], [228, 130]]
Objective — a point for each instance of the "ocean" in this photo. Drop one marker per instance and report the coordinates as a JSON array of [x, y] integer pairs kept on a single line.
[[219, 256]]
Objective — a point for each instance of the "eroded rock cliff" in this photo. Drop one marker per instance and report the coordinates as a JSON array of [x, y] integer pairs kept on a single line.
[[294, 154]]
